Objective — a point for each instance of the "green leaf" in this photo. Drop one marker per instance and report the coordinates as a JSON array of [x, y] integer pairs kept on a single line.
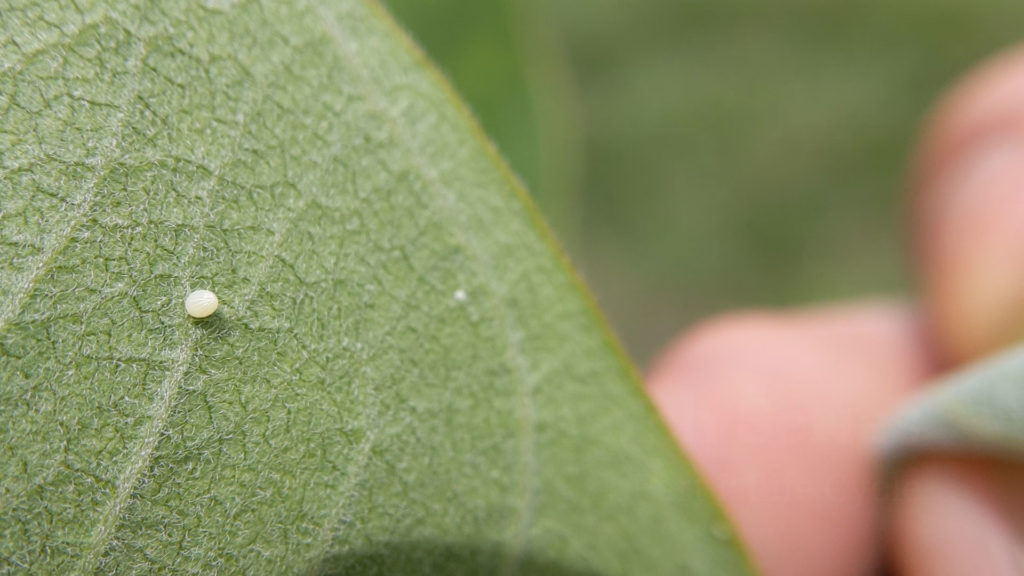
[[977, 411], [403, 376]]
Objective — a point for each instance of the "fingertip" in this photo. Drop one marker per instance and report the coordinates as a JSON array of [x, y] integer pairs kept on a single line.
[[779, 412], [984, 103]]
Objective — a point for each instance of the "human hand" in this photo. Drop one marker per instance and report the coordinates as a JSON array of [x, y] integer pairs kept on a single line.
[[781, 410]]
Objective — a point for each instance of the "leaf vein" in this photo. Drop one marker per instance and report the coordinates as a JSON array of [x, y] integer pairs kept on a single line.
[[514, 354], [83, 202]]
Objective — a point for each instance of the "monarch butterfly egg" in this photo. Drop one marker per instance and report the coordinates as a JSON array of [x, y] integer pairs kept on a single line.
[[201, 303]]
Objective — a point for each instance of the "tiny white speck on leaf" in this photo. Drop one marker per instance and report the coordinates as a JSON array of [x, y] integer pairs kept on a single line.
[[460, 295], [201, 303]]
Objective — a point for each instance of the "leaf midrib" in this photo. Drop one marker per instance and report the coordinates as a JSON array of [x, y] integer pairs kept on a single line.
[[513, 352]]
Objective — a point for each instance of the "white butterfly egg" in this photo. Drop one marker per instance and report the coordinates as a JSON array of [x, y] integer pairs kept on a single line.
[[201, 303]]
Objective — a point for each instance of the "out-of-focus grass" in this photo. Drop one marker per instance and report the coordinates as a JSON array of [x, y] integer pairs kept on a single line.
[[505, 59], [735, 152]]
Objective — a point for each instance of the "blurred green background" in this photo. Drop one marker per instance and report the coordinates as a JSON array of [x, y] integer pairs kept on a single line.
[[700, 155]]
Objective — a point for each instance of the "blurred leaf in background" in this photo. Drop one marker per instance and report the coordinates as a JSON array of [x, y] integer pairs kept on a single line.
[[735, 152]]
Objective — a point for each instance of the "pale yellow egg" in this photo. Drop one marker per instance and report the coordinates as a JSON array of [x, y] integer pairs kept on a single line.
[[201, 303]]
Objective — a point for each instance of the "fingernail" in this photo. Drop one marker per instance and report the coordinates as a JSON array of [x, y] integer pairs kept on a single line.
[[951, 524], [974, 251]]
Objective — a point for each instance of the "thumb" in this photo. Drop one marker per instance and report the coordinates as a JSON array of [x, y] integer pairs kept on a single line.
[[969, 213]]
